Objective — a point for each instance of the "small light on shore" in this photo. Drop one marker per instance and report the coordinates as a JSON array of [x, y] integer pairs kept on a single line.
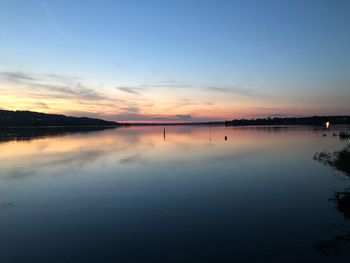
[[327, 124]]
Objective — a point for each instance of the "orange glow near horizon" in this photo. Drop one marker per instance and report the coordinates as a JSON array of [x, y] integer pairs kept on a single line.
[[150, 106]]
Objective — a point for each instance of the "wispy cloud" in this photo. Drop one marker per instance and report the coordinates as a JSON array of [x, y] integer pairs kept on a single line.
[[183, 116], [78, 91], [53, 83], [69, 95], [172, 84], [139, 117], [165, 85], [233, 90], [54, 76], [167, 81], [143, 87], [16, 76], [42, 105], [186, 102], [131, 109], [132, 90]]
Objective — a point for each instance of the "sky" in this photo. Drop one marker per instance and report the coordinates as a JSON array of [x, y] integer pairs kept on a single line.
[[175, 61]]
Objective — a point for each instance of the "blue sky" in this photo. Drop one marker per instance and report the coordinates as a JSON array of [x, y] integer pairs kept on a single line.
[[153, 60]]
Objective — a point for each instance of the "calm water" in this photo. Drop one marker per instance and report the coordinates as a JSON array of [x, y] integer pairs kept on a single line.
[[133, 195]]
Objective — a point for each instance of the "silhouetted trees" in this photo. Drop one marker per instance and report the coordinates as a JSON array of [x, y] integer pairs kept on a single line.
[[315, 120]]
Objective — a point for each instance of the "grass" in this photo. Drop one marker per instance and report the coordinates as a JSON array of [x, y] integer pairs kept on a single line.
[[339, 160]]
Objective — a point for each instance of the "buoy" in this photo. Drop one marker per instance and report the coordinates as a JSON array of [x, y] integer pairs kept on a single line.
[[225, 138]]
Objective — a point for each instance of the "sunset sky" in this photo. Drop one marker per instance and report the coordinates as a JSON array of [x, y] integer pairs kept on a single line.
[[175, 60]]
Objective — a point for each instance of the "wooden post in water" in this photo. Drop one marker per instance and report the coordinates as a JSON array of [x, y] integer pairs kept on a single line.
[[210, 132]]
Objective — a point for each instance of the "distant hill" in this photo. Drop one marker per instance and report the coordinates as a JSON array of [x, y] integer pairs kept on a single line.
[[30, 119], [315, 120]]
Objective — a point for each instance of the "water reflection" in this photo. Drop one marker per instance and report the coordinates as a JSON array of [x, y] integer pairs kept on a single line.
[[128, 195], [26, 134]]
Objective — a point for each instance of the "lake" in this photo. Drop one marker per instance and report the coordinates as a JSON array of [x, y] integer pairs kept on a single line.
[[139, 194]]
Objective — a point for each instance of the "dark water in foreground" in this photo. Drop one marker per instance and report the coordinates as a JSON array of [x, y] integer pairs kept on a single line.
[[131, 195]]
